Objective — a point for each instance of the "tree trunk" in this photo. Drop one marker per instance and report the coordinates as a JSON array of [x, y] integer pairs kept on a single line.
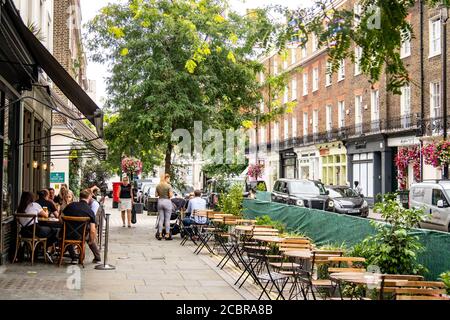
[[168, 159]]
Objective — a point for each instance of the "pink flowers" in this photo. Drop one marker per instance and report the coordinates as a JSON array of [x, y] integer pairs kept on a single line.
[[255, 171], [131, 166], [437, 153], [404, 157]]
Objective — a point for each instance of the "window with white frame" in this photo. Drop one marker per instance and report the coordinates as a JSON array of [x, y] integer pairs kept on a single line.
[[405, 105], [293, 55], [357, 11], [262, 133], [293, 89], [286, 129], [435, 99], [315, 42], [435, 37], [315, 121], [275, 66], [261, 77], [328, 74], [305, 83], [305, 124], [375, 105], [316, 79], [304, 51], [358, 113], [358, 55], [405, 49], [286, 95], [341, 71], [341, 114], [261, 106], [294, 127], [276, 132], [329, 117]]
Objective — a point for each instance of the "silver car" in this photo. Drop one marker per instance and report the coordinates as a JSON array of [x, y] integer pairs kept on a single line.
[[433, 197]]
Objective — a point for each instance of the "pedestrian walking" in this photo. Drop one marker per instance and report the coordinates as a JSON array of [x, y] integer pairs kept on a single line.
[[126, 200], [164, 193]]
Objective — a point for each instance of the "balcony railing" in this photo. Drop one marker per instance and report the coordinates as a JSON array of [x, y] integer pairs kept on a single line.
[[405, 123]]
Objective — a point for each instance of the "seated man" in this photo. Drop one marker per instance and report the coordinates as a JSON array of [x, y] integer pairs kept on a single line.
[[44, 201], [82, 209], [196, 203]]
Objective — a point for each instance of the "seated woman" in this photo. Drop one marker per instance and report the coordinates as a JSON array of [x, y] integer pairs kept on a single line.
[[27, 205]]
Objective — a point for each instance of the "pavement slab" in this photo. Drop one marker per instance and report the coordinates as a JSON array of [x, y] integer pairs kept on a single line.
[[146, 269]]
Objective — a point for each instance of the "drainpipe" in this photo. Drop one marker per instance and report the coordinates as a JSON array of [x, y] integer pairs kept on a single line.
[[444, 18], [422, 85]]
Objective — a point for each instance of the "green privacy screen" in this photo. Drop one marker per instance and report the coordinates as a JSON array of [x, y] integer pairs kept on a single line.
[[327, 227]]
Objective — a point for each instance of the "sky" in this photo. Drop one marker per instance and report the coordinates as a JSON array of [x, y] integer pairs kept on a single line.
[[90, 8]]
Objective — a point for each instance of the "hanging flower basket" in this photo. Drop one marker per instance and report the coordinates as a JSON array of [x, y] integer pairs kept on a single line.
[[404, 157], [255, 171], [437, 153], [131, 166]]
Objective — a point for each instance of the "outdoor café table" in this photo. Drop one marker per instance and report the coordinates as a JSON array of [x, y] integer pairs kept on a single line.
[[268, 239], [298, 254], [358, 278], [51, 222]]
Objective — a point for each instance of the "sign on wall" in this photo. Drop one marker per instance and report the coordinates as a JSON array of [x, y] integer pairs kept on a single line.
[[57, 177]]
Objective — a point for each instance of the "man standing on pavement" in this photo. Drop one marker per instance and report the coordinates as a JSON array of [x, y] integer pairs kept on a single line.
[[83, 209], [358, 188]]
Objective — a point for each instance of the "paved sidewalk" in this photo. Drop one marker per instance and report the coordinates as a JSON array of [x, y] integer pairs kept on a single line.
[[145, 269]]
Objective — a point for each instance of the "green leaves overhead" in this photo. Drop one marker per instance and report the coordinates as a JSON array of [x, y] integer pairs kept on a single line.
[[173, 62]]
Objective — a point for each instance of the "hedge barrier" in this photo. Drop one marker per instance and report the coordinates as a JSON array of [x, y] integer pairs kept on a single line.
[[331, 228]]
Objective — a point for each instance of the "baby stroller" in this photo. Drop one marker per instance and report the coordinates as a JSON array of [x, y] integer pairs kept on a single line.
[[175, 224]]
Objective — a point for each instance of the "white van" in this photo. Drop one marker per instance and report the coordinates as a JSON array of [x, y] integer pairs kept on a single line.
[[434, 198]]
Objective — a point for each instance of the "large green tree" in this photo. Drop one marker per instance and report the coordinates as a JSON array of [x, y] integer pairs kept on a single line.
[[173, 62]]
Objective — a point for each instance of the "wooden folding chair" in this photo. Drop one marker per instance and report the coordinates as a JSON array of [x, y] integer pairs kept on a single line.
[[389, 281], [74, 234], [32, 241], [345, 264], [420, 290]]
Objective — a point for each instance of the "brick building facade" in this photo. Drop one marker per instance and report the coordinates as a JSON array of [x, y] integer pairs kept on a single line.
[[345, 129]]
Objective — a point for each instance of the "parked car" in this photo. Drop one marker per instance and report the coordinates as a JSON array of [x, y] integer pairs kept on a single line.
[[303, 193], [347, 201], [434, 198]]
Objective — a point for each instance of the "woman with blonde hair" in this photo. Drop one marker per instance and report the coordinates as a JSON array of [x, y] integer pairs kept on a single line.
[[66, 198], [164, 193], [126, 199]]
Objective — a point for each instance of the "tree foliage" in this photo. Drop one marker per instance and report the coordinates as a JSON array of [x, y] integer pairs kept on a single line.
[[173, 63]]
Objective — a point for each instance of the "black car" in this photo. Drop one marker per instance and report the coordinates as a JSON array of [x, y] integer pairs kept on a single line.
[[303, 193], [346, 200]]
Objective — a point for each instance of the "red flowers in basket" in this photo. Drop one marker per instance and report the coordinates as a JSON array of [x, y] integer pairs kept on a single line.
[[132, 166], [255, 171]]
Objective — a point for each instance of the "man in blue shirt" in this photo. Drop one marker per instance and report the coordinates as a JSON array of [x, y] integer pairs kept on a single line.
[[196, 203]]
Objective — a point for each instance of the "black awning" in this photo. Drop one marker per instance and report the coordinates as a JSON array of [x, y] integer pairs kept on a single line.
[[57, 73]]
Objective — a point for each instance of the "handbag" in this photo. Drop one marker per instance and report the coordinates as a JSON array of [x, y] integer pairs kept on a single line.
[[133, 215]]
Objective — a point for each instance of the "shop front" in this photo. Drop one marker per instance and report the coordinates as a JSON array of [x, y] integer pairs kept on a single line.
[[308, 163], [370, 162], [333, 163], [288, 164], [407, 154], [26, 111]]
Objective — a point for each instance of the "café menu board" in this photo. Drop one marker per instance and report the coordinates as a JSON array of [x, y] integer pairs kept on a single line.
[[57, 177]]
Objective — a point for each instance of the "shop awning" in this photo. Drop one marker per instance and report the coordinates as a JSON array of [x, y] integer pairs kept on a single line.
[[57, 73], [79, 128]]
